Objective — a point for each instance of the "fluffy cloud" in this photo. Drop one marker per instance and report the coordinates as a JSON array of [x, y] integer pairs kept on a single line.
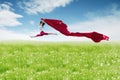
[[8, 17], [108, 24], [10, 35], [42, 6]]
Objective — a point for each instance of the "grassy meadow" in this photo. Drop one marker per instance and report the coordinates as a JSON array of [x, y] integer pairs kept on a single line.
[[59, 61]]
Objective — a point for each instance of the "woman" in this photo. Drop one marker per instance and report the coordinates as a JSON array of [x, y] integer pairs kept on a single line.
[[42, 33]]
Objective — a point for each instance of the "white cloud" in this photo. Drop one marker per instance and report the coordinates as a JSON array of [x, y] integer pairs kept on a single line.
[[8, 17], [6, 35], [42, 6], [10, 35], [108, 24], [5, 7]]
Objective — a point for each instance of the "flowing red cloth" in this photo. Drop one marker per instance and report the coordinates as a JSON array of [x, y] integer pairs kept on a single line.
[[62, 28], [42, 33]]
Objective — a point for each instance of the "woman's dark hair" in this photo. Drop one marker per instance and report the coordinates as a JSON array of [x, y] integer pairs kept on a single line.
[[42, 23]]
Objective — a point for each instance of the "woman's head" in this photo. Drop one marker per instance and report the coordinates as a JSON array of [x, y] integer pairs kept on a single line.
[[42, 23]]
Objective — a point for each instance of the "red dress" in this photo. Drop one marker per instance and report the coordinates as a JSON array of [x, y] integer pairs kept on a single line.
[[42, 33], [62, 27]]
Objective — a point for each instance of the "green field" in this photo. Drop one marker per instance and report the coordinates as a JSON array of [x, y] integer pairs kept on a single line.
[[59, 61]]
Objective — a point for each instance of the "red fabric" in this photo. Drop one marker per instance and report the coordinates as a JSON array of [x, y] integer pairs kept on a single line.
[[62, 27], [42, 33], [58, 25]]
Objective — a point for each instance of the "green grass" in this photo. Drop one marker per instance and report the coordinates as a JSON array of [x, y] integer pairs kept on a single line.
[[59, 61]]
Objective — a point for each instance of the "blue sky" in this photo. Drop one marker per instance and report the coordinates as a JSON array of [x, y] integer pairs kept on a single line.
[[20, 18]]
